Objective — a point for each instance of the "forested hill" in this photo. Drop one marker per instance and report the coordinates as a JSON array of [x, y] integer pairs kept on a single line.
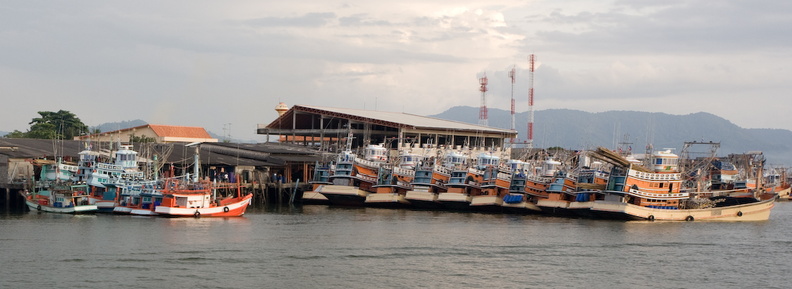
[[576, 129]]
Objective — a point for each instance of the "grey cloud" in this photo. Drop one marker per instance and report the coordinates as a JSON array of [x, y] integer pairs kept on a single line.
[[687, 27], [362, 20], [307, 20]]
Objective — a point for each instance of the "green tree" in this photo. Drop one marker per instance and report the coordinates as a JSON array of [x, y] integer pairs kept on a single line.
[[15, 134], [61, 124], [140, 139]]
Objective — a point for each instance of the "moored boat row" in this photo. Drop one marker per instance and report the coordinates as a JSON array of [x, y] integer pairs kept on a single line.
[[598, 184], [119, 187]]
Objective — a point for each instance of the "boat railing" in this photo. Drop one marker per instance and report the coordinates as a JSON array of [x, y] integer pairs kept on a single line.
[[70, 168], [442, 170], [655, 176], [403, 172], [639, 193], [475, 171], [110, 167], [538, 179], [367, 163], [366, 178], [504, 176]]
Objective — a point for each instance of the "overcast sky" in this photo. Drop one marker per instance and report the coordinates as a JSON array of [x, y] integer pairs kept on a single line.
[[227, 64]]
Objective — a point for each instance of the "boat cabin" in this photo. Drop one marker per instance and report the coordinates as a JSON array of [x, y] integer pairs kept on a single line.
[[453, 159], [376, 153]]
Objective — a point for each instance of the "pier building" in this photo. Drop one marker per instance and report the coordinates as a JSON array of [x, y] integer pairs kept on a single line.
[[329, 128]]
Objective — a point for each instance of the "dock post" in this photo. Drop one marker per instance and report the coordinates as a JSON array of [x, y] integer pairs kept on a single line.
[[263, 199], [294, 192], [280, 193]]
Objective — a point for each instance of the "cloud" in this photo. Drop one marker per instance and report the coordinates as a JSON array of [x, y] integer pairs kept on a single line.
[[235, 60], [307, 20], [670, 27]]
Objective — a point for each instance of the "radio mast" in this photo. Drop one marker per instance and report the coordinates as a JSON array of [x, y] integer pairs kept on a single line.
[[483, 110], [532, 61]]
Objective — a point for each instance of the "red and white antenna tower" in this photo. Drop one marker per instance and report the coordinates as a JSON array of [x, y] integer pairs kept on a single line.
[[532, 61], [483, 110], [512, 74]]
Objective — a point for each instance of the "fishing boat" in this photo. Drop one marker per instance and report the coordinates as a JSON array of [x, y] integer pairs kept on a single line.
[[108, 179], [429, 181], [201, 199], [139, 199], [321, 176], [517, 201], [147, 203], [354, 177], [495, 181], [343, 189], [591, 179], [55, 193], [128, 197], [538, 178], [463, 183], [655, 194], [393, 183]]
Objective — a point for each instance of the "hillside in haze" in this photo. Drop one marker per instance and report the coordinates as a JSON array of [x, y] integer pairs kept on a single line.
[[574, 129], [112, 126]]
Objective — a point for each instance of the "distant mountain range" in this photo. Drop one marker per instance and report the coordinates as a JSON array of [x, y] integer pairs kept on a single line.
[[574, 129], [111, 126]]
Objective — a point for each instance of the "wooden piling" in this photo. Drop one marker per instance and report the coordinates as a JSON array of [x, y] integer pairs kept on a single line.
[[7, 199]]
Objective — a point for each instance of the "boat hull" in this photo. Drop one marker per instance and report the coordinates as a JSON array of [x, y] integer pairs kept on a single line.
[[554, 207], [758, 211], [784, 195], [122, 210], [454, 201], [386, 200], [80, 209], [488, 204], [521, 208], [142, 212], [234, 208], [343, 195], [105, 206], [423, 200], [314, 198]]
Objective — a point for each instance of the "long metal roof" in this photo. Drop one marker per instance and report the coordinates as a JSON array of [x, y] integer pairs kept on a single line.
[[393, 119]]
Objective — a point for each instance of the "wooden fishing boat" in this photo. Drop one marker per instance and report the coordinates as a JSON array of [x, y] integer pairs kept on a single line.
[[60, 198], [495, 181], [343, 190], [430, 180], [462, 184], [517, 201], [638, 193], [200, 199], [108, 180], [321, 177], [56, 193], [393, 182]]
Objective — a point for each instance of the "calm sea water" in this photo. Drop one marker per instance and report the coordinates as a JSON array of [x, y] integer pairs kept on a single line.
[[326, 247]]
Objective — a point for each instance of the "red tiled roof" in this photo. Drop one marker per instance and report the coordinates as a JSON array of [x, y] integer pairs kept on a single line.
[[179, 131]]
